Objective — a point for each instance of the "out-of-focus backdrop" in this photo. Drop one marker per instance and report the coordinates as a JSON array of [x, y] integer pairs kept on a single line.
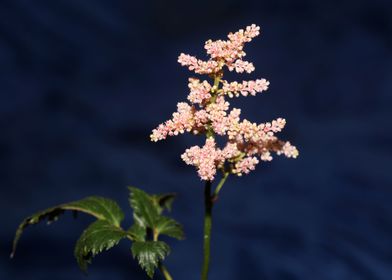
[[83, 83]]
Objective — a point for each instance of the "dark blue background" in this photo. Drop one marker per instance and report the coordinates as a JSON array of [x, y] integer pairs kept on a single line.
[[83, 83]]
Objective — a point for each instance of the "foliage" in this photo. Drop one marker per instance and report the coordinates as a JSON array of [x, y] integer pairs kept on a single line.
[[106, 231]]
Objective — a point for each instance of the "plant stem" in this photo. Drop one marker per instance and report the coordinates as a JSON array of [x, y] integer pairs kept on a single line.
[[165, 272], [208, 197], [161, 267], [220, 184], [208, 203]]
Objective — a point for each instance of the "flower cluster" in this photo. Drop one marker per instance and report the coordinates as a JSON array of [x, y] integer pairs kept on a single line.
[[209, 113]]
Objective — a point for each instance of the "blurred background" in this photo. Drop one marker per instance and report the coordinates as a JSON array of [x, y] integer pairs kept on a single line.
[[83, 83]]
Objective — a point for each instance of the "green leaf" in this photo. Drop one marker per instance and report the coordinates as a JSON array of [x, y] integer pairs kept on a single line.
[[169, 227], [99, 207], [164, 201], [100, 235], [149, 254], [137, 232], [144, 211]]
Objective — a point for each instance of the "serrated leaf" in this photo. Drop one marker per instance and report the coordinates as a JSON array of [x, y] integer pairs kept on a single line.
[[99, 236], [164, 201], [169, 227], [137, 232], [144, 211], [149, 254], [99, 207]]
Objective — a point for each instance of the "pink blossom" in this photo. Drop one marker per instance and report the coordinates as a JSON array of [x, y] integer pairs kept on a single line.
[[217, 115], [205, 159], [201, 120], [209, 113], [256, 134], [181, 121], [265, 156], [200, 91], [288, 150], [231, 51], [245, 88], [244, 36], [220, 49], [197, 65], [274, 126], [240, 66], [245, 165], [231, 150]]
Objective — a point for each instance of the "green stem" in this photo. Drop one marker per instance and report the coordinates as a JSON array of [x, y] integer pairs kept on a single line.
[[165, 272], [220, 184], [215, 88], [161, 267], [217, 79], [208, 203]]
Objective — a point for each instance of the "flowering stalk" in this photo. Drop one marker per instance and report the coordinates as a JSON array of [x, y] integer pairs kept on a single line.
[[207, 113], [209, 200], [208, 203]]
